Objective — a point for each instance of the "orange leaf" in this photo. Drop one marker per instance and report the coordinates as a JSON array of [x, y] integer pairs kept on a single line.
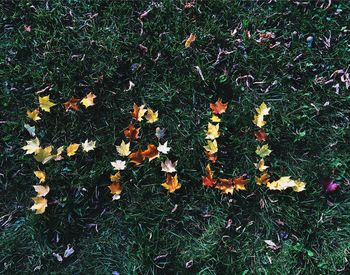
[[138, 112], [208, 180], [226, 186], [218, 107], [171, 183], [212, 157], [136, 157], [261, 135], [151, 152], [190, 40], [131, 132], [263, 179], [72, 104], [240, 183]]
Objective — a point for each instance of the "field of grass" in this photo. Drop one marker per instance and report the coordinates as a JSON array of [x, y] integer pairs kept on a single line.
[[74, 47]]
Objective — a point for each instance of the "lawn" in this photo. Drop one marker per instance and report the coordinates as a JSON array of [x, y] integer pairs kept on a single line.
[[294, 56]]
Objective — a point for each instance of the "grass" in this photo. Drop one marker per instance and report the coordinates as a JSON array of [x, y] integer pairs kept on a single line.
[[78, 46]]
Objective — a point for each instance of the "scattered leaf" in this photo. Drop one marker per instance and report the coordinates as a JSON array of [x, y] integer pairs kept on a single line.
[[30, 129], [329, 186], [88, 100], [212, 131], [119, 164], [151, 116], [168, 166], [43, 155], [88, 145], [40, 205], [211, 147], [218, 107], [263, 151], [41, 175], [72, 104], [171, 183], [190, 40], [72, 149], [45, 103], [32, 146], [33, 115], [151, 152], [138, 112], [116, 177], [137, 157], [116, 190], [42, 190], [123, 149], [261, 165], [261, 135], [163, 148], [131, 132], [215, 118]]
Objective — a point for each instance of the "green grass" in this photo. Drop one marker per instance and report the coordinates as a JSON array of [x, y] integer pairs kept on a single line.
[[71, 51]]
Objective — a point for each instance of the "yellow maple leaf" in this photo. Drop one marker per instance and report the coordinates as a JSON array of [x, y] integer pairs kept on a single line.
[[281, 184], [72, 149], [40, 205], [33, 115], [32, 146], [263, 109], [261, 165], [42, 190], [116, 177], [213, 131], [123, 149], [259, 120], [263, 179], [263, 151], [211, 147], [45, 103], [171, 184], [41, 175], [215, 118], [299, 186], [190, 40], [88, 100], [88, 145], [151, 116], [43, 155]]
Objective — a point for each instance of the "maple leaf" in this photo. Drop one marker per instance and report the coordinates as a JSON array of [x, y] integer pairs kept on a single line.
[[43, 155], [329, 185], [88, 145], [138, 112], [151, 116], [168, 166], [263, 151], [118, 165], [218, 107], [263, 179], [171, 183], [211, 157], [41, 175], [262, 109], [190, 40], [215, 118], [299, 186], [281, 184], [261, 135], [72, 149], [151, 152], [88, 100], [226, 186], [116, 190], [213, 131], [123, 149], [208, 180], [131, 132], [240, 183], [137, 157], [160, 133], [211, 147], [45, 103], [259, 120], [163, 148], [72, 104], [42, 190], [32, 146], [261, 165], [116, 177], [59, 153], [33, 115], [40, 205]]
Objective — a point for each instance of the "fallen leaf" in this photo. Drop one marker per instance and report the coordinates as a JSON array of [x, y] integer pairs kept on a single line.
[[131, 132], [263, 179], [281, 184], [218, 107], [329, 186], [299, 186], [190, 40], [119, 164], [263, 109], [88, 145], [163, 148], [240, 183], [211, 147], [41, 175], [259, 121], [88, 100], [171, 183], [211, 157], [168, 166], [263, 151], [32, 146], [123, 149], [212, 131], [160, 133], [208, 180], [43, 155], [33, 115], [72, 149], [45, 103], [72, 104], [226, 186], [30, 129], [68, 252], [261, 165], [116, 177], [42, 190], [138, 112], [137, 157], [271, 245], [40, 205], [151, 116], [151, 152], [215, 118], [116, 190], [261, 135]]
